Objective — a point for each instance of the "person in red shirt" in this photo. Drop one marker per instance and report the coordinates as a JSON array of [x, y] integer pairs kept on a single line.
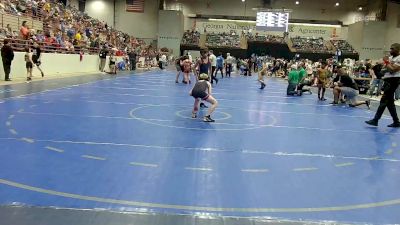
[[24, 31]]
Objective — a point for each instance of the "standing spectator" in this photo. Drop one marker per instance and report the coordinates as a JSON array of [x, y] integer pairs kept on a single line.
[[164, 60], [132, 59], [37, 57], [229, 62], [392, 79], [7, 55], [113, 68], [213, 61], [159, 63], [103, 56], [376, 83], [220, 65]]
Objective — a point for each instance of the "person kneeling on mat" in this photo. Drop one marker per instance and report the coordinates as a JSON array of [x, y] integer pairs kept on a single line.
[[293, 80], [202, 91]]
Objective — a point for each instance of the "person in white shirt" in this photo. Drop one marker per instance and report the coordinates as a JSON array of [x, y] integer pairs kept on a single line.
[[392, 80], [213, 61], [190, 57], [163, 61], [309, 69], [228, 66]]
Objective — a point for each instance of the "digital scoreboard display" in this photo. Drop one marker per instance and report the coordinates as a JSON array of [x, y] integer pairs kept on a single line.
[[272, 21]]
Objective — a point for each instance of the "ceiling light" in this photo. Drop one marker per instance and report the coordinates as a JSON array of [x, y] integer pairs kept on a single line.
[[337, 4], [360, 8], [297, 2], [243, 0]]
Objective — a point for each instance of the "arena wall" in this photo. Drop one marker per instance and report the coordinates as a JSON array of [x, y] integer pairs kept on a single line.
[[54, 65], [393, 25], [141, 25]]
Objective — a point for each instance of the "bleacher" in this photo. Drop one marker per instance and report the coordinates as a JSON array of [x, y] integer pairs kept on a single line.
[[191, 38], [268, 38], [223, 40], [343, 45], [59, 29], [309, 44]]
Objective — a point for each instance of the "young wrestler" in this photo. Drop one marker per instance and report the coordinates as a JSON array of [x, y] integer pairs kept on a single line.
[[202, 91], [187, 67], [261, 74], [203, 65], [323, 74], [29, 64]]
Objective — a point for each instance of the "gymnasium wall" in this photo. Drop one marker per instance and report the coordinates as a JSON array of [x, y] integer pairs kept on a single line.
[[101, 10], [170, 30], [355, 35], [393, 25], [142, 25]]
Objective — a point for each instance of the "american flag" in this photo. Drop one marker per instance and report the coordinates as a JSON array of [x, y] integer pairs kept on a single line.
[[135, 6]]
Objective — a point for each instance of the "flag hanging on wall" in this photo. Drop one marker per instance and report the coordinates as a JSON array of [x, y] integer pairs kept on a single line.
[[135, 6]]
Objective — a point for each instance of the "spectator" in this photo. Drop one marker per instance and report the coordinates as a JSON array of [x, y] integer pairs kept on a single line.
[[309, 44], [132, 59], [24, 31], [7, 55], [191, 38], [223, 40], [220, 65], [113, 68], [103, 56]]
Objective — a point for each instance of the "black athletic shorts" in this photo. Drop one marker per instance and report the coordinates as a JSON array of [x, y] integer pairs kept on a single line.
[[201, 94], [37, 62], [29, 65]]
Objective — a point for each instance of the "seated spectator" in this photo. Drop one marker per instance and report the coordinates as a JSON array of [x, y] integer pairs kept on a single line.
[[309, 44], [223, 40], [191, 38], [343, 46], [8, 29]]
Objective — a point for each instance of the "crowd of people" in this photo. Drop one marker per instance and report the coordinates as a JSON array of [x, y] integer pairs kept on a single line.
[[300, 44], [266, 38], [343, 45], [191, 37], [309, 44], [65, 29], [69, 31], [223, 40]]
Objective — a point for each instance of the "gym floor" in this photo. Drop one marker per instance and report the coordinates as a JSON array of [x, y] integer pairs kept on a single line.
[[128, 144]]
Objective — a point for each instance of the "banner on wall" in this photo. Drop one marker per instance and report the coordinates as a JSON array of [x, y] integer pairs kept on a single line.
[[326, 32]]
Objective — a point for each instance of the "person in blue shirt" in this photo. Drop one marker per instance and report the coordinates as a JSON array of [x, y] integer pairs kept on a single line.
[[220, 65]]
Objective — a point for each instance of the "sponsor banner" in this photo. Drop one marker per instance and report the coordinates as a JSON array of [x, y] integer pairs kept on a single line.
[[326, 32]]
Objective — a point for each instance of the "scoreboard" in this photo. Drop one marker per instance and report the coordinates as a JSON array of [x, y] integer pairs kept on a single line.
[[272, 21]]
